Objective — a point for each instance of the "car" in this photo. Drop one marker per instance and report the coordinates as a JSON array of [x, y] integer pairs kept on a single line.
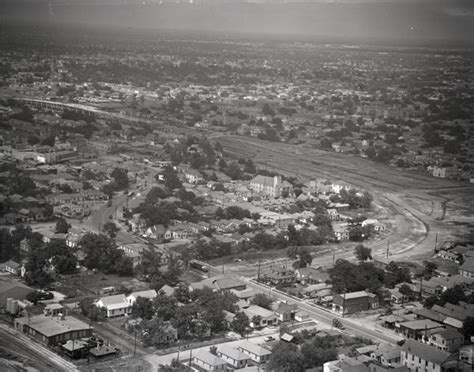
[[269, 338]]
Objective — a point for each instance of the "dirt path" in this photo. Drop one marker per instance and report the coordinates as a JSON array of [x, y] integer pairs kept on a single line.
[[405, 195]]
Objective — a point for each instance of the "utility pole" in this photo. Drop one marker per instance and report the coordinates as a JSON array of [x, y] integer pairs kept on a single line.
[[436, 241], [333, 256], [135, 343], [388, 247], [258, 272]]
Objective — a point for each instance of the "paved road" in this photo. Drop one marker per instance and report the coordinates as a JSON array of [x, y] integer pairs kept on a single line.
[[325, 316]]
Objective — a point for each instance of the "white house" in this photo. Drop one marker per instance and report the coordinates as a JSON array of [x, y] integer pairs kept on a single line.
[[209, 362], [116, 305], [236, 358], [257, 353], [132, 297]]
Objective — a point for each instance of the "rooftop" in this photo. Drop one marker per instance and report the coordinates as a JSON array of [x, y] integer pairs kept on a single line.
[[253, 348], [208, 358], [53, 325], [425, 352], [231, 352]]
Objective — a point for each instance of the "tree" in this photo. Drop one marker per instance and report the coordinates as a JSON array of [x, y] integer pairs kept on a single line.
[[267, 110], [305, 258], [62, 226], [452, 295], [233, 171], [90, 310], [120, 177], [7, 250], [362, 253], [468, 328], [405, 290], [111, 229], [143, 308], [165, 306], [286, 357], [256, 319], [262, 300], [429, 269], [171, 179], [102, 253], [240, 323], [359, 233]]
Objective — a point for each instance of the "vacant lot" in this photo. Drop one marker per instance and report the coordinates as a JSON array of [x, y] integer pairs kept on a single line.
[[418, 203]]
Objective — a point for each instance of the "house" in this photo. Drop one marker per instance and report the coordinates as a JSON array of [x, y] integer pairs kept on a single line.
[[280, 275], [417, 329], [310, 275], [193, 176], [302, 316], [158, 232], [387, 355], [285, 312], [317, 290], [270, 186], [219, 283], [14, 268], [350, 303], [209, 362], [132, 297], [234, 357], [421, 357], [445, 172], [264, 316], [374, 224], [52, 330], [53, 309], [168, 334], [341, 231], [116, 305], [467, 268], [257, 353], [448, 340]]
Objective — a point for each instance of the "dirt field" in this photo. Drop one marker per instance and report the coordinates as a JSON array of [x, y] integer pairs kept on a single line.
[[415, 201]]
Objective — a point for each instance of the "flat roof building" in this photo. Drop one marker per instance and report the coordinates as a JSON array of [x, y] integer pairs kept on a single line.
[[53, 330]]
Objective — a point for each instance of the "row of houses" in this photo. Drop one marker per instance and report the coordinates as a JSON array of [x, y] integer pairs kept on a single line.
[[412, 356]]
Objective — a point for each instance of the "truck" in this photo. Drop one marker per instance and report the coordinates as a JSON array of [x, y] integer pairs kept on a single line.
[[198, 266]]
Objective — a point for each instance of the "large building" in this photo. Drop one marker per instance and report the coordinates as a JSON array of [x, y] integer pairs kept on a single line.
[[421, 357], [270, 186], [53, 330], [350, 303]]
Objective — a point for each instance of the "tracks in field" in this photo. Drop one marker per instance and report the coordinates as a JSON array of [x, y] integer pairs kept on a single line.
[[385, 183]]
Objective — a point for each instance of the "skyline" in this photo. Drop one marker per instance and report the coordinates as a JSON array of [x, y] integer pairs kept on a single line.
[[408, 22]]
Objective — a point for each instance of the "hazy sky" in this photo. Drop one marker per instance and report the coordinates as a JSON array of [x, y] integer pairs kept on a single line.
[[410, 21]]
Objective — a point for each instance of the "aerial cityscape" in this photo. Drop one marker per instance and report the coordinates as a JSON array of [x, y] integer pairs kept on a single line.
[[290, 195]]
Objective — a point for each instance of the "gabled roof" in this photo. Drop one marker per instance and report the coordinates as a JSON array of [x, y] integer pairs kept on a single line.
[[146, 294], [421, 324], [208, 358], [425, 352], [253, 348], [114, 301], [232, 353]]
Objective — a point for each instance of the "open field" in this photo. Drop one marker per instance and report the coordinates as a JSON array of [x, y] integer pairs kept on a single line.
[[414, 200]]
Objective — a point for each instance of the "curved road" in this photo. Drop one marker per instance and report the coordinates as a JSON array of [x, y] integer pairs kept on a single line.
[[403, 195]]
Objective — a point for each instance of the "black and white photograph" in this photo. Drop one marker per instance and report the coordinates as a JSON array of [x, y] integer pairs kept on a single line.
[[237, 185]]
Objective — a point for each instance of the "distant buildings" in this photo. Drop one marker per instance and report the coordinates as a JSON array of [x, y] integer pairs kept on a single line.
[[270, 186]]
